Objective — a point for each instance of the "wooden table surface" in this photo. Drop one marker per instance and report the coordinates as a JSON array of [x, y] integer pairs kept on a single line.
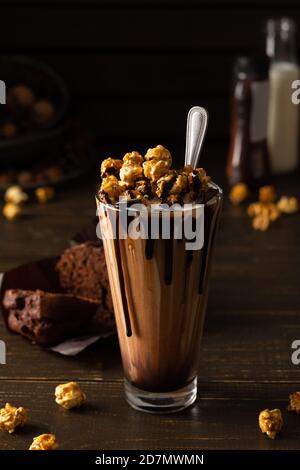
[[253, 316]]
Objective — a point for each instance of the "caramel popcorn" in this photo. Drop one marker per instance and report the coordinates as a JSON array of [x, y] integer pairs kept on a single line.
[[294, 402], [144, 179], [111, 189], [270, 422], [155, 169], [133, 158], [12, 418], [44, 194], [288, 205], [238, 193], [267, 210], [44, 442], [110, 166], [15, 195], [267, 194], [11, 211], [159, 153], [69, 395], [261, 222]]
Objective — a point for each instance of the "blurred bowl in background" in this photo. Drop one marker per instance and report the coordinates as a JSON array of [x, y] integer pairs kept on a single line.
[[38, 128]]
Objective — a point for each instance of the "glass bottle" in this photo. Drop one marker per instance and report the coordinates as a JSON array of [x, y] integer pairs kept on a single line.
[[283, 115]]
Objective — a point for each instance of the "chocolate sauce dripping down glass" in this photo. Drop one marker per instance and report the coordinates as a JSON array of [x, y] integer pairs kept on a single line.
[[169, 252], [122, 281]]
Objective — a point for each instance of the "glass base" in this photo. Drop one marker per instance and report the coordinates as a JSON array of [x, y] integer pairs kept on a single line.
[[167, 402]]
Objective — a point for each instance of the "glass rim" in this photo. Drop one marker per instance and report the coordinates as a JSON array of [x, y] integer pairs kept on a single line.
[[195, 205]]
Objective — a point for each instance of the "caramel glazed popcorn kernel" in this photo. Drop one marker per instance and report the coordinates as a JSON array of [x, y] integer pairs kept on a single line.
[[151, 179], [69, 395], [294, 402], [12, 417], [270, 422], [44, 442]]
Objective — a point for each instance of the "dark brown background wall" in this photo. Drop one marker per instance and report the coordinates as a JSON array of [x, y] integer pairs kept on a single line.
[[135, 67]]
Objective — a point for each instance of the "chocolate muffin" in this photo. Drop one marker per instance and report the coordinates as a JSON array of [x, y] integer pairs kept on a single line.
[[82, 271]]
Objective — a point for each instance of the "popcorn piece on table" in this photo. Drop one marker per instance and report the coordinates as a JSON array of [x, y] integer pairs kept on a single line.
[[288, 205], [12, 417], [69, 395], [44, 194], [44, 442], [267, 194], [11, 211], [261, 222], [294, 402], [238, 193], [15, 195], [270, 422]]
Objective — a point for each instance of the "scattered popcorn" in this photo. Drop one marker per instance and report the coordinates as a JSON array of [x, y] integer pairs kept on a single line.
[[294, 402], [44, 442], [261, 222], [270, 422], [288, 205], [69, 395], [267, 194], [15, 195], [238, 193], [11, 211], [44, 194], [12, 418]]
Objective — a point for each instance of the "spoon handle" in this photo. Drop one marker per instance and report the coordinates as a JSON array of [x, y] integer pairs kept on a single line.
[[195, 132]]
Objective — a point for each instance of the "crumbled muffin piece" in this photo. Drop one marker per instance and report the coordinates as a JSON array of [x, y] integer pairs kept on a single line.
[[267, 194], [11, 211], [270, 422], [110, 190], [155, 169], [8, 130], [238, 193], [12, 417], [288, 205], [44, 442], [294, 402], [110, 166], [69, 395], [159, 153], [15, 195], [261, 222], [44, 194]]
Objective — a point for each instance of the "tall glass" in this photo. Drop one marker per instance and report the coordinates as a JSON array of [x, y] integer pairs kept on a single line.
[[159, 291]]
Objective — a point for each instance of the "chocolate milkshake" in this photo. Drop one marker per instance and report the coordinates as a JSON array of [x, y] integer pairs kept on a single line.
[[159, 287]]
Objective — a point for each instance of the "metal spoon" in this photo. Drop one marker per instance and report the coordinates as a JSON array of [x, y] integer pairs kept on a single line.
[[195, 132]]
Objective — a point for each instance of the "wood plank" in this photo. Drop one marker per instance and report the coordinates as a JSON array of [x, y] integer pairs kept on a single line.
[[78, 28], [222, 418]]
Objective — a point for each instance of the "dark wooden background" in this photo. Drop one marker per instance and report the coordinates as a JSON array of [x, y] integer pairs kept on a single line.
[[135, 67]]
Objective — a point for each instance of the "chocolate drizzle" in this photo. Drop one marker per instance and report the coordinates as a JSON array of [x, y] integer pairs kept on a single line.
[[169, 252], [122, 283], [149, 248]]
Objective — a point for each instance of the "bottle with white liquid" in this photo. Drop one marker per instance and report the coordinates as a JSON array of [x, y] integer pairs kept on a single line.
[[283, 115]]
